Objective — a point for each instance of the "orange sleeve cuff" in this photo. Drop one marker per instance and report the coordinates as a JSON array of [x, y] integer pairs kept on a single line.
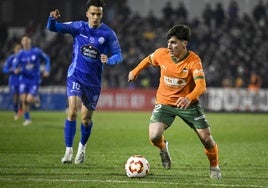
[[142, 65], [200, 88]]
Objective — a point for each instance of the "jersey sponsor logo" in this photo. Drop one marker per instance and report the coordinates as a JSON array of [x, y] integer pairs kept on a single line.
[[174, 82], [29, 66], [90, 51]]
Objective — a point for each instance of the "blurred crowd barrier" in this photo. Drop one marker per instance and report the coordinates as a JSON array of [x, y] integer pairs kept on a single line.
[[214, 100]]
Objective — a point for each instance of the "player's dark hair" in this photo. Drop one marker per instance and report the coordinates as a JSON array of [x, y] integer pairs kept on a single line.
[[182, 32], [96, 3]]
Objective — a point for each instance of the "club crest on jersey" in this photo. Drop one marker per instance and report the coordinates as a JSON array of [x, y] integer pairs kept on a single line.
[[90, 51], [101, 40]]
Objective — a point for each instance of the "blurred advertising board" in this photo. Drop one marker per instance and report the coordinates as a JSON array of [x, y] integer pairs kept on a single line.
[[215, 99]]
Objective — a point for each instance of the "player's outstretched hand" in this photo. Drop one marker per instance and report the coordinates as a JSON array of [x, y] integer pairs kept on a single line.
[[131, 77], [104, 58], [55, 13]]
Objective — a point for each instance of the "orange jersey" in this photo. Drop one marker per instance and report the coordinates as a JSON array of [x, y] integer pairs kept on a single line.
[[178, 79]]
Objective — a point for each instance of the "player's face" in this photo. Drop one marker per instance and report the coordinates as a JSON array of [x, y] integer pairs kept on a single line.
[[177, 48], [94, 15], [17, 48], [26, 42]]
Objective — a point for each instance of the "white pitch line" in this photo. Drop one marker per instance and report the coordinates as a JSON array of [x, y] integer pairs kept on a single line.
[[138, 182]]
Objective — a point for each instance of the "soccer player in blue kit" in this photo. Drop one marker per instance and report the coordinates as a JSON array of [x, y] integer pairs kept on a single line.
[[28, 65], [94, 45], [13, 80]]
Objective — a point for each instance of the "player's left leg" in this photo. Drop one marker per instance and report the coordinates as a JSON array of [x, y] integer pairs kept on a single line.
[[211, 151], [16, 106], [86, 126], [25, 109], [14, 91], [194, 116]]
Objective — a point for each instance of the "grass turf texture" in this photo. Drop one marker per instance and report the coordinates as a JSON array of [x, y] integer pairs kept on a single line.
[[30, 156]]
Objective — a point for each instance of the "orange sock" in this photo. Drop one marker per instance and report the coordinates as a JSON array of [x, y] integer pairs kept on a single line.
[[213, 155], [160, 143]]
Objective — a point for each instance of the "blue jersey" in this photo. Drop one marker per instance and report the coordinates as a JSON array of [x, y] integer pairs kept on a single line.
[[29, 62], [88, 45], [9, 68]]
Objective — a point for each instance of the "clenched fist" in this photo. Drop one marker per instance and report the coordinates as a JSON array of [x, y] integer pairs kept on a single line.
[[55, 13]]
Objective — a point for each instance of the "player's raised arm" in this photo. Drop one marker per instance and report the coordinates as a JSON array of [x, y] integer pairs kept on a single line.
[[131, 77], [142, 65]]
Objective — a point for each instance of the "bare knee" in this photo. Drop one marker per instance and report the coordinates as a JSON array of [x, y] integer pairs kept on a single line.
[[208, 142], [86, 116], [86, 122], [72, 114], [206, 138], [156, 131]]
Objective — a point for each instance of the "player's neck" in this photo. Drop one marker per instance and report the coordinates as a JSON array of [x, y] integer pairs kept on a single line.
[[94, 26], [181, 56]]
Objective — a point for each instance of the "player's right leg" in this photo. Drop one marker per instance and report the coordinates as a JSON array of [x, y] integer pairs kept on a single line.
[[70, 129], [156, 131], [14, 91], [162, 117], [16, 106]]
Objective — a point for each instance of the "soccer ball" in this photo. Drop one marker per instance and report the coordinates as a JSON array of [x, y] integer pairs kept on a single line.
[[137, 166]]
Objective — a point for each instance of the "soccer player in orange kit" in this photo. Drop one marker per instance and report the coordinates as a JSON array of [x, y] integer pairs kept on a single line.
[[182, 82]]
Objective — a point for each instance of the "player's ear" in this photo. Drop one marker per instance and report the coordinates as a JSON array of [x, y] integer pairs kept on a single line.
[[185, 43]]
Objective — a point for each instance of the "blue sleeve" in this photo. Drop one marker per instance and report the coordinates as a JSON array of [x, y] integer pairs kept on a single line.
[[7, 66], [116, 56], [115, 59], [46, 58], [66, 27], [47, 61]]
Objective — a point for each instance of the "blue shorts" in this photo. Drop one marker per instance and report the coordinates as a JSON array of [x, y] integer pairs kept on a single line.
[[88, 94], [14, 89], [29, 87]]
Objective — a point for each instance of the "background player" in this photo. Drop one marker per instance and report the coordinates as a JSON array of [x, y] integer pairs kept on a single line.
[[13, 80], [182, 81], [28, 63], [93, 42]]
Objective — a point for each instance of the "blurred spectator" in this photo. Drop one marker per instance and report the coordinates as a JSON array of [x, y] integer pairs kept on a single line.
[[219, 15], [181, 13], [167, 10], [3, 35], [207, 15], [259, 12], [233, 10], [255, 82], [230, 45]]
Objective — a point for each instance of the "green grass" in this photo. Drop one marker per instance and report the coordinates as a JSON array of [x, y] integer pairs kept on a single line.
[[30, 156]]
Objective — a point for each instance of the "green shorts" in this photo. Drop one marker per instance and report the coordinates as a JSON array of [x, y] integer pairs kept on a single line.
[[193, 116]]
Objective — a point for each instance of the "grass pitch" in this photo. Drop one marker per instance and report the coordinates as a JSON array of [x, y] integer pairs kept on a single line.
[[30, 156]]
